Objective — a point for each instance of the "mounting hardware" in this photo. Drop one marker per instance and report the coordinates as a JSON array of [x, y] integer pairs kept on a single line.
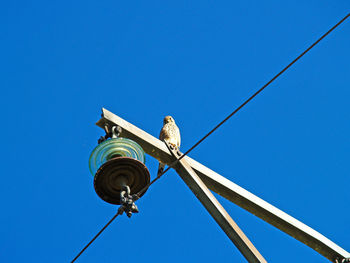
[[114, 132], [127, 202], [342, 260], [103, 138]]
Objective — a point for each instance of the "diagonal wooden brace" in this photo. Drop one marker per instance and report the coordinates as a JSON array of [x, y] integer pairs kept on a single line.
[[231, 191], [215, 209]]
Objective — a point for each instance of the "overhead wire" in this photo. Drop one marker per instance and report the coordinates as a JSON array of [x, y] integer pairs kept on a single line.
[[97, 235], [221, 123], [246, 101]]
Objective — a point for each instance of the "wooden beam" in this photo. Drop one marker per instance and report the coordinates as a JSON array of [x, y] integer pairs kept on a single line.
[[216, 210], [231, 191]]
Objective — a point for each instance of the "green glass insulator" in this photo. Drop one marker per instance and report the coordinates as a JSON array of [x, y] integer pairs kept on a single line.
[[117, 147]]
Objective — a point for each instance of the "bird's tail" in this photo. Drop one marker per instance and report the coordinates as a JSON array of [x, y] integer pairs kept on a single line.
[[160, 169]]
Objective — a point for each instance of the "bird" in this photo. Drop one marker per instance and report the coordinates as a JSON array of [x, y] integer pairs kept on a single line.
[[171, 134]]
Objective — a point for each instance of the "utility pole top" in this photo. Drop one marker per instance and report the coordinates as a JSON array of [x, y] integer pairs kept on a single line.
[[190, 168]]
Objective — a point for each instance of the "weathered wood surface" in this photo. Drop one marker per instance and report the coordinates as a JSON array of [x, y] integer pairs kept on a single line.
[[230, 190], [224, 220]]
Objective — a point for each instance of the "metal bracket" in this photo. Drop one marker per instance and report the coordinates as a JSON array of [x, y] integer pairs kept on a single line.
[[114, 132], [342, 260], [128, 202], [214, 208]]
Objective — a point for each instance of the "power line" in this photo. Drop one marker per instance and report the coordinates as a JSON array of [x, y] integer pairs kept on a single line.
[[99, 233], [263, 87], [248, 100], [221, 123]]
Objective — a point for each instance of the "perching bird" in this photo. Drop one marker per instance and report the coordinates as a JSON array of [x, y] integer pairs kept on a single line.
[[170, 133]]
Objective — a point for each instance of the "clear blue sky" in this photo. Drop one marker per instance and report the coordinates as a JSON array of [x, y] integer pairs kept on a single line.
[[62, 61]]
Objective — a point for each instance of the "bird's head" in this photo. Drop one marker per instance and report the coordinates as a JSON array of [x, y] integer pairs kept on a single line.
[[168, 119]]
